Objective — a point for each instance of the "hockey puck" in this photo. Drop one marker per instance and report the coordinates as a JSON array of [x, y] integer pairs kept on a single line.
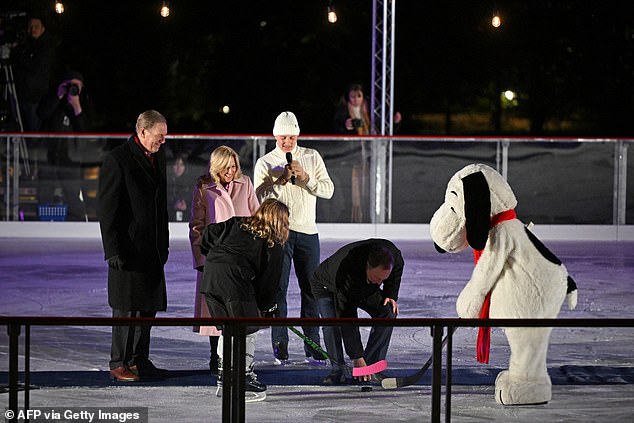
[[366, 388]]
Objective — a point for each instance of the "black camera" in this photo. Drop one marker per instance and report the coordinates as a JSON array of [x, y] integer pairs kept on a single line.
[[72, 89], [357, 123], [12, 31]]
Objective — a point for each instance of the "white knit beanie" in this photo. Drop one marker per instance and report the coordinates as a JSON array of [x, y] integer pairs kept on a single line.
[[286, 124]]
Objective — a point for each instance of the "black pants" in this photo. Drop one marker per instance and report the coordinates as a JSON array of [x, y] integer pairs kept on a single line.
[[378, 340], [130, 344]]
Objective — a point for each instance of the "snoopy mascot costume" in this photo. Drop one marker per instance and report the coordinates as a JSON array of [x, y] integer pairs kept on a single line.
[[515, 276]]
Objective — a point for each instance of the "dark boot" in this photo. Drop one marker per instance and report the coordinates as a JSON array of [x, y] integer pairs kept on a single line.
[[280, 351], [314, 356], [336, 377], [213, 354]]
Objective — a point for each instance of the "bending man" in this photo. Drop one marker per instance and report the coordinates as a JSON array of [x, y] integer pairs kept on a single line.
[[363, 275]]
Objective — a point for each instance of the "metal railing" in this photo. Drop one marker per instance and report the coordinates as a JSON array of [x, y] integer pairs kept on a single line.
[[397, 179], [233, 401]]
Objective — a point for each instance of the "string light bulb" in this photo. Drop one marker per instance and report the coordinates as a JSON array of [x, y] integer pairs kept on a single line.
[[59, 7], [332, 14], [165, 9], [496, 20]]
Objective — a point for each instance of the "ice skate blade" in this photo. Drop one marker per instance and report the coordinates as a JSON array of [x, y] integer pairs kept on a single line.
[[254, 396], [278, 362], [311, 361], [249, 396]]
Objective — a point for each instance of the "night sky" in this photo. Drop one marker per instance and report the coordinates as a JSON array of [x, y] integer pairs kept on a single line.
[[570, 60]]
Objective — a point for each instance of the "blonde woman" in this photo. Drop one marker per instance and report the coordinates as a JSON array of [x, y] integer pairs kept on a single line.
[[222, 193], [244, 257]]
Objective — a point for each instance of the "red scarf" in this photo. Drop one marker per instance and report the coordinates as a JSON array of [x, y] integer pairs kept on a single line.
[[147, 154], [484, 334]]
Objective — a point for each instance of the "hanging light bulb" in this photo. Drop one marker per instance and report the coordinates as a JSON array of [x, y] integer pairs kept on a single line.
[[496, 21], [165, 10], [59, 7], [332, 14]]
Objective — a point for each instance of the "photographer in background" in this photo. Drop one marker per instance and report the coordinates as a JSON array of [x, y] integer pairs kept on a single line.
[[64, 110], [352, 115]]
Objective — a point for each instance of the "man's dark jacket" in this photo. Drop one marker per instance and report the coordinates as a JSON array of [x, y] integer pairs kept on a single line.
[[134, 226], [343, 277]]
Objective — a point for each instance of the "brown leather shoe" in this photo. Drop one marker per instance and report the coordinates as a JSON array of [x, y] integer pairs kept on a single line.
[[122, 374], [148, 369]]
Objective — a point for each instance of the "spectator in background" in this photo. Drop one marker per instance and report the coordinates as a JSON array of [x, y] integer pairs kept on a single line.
[[63, 109], [352, 117], [179, 191], [135, 236], [296, 176], [33, 61], [223, 192]]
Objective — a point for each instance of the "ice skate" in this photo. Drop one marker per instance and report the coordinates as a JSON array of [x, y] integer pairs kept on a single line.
[[315, 357], [280, 352], [254, 389]]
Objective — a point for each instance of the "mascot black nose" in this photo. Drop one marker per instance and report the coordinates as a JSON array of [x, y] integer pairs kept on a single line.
[[440, 250]]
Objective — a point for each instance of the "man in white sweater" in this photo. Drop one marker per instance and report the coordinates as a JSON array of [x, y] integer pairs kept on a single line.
[[296, 176]]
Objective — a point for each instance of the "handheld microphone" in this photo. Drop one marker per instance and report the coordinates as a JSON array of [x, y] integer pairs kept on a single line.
[[289, 160]]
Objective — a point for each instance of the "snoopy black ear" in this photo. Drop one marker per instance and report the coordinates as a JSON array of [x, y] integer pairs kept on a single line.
[[477, 209], [439, 248]]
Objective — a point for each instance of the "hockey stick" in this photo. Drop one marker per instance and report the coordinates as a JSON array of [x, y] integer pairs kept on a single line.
[[312, 343], [379, 366], [400, 382]]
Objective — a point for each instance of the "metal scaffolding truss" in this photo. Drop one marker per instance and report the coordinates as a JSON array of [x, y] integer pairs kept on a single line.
[[382, 106], [382, 93]]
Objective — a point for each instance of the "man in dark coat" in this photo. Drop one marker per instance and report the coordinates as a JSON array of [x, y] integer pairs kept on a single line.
[[33, 61], [351, 279], [134, 231]]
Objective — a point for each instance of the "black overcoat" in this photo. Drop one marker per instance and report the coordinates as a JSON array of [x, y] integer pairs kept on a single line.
[[241, 271], [134, 225], [343, 274]]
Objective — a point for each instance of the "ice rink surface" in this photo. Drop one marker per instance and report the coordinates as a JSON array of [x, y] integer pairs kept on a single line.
[[592, 368]]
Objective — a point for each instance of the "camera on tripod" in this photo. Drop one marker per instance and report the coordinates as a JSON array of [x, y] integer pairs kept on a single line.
[[12, 31], [72, 89]]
